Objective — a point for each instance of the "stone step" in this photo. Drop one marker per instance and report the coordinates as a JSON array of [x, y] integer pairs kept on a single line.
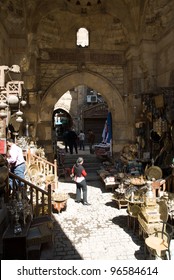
[[86, 159], [90, 167], [91, 164]]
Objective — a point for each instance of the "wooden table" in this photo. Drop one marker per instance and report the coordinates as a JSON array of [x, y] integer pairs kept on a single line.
[[121, 202], [59, 201], [59, 205]]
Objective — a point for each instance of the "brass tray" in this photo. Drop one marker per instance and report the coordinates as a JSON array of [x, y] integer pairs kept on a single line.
[[154, 172], [33, 170]]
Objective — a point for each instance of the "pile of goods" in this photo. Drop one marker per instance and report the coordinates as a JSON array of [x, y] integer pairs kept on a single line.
[[138, 181]]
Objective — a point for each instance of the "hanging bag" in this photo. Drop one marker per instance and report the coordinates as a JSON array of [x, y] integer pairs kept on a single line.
[[72, 177]]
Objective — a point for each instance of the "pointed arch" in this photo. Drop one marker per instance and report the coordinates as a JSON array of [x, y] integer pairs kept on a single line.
[[92, 80]]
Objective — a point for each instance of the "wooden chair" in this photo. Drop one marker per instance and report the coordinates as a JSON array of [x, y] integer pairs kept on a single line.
[[133, 211], [158, 243]]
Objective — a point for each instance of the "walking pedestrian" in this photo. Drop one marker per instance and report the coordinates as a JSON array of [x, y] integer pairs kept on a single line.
[[81, 137], [72, 140], [80, 178]]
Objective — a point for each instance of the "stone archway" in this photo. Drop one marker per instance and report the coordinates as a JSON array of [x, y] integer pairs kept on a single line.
[[121, 131]]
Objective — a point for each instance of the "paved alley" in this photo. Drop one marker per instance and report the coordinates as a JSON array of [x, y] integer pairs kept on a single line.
[[94, 232]]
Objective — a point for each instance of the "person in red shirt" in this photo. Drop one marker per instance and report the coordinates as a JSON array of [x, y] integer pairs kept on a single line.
[[79, 177]]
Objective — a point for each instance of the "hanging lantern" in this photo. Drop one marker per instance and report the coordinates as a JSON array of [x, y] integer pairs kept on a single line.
[[3, 105], [3, 114], [23, 102], [19, 119], [19, 113]]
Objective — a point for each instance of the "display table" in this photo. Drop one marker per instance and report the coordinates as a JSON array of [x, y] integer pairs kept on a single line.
[[122, 203], [110, 185], [120, 199], [109, 179], [102, 149]]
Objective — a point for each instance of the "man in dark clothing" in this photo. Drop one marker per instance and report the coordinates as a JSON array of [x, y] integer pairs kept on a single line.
[[72, 141]]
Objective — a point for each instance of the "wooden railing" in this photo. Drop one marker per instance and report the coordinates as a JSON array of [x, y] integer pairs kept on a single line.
[[40, 200], [44, 167]]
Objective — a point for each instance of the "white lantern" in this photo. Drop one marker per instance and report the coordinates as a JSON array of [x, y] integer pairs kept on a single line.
[[3, 114], [23, 102], [19, 113], [19, 119], [3, 105]]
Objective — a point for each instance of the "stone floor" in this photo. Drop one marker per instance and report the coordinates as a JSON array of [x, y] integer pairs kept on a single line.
[[95, 232]]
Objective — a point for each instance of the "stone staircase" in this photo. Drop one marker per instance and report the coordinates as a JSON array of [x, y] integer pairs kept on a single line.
[[91, 163]]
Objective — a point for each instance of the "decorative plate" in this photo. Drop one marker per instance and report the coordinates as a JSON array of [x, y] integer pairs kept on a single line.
[[154, 172], [33, 169]]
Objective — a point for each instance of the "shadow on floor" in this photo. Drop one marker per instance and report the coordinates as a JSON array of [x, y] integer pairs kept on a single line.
[[121, 221], [63, 249]]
